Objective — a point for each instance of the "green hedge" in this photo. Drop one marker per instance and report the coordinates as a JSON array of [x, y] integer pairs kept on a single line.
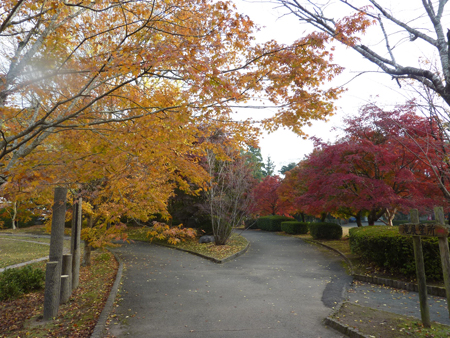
[[15, 282], [325, 230], [294, 227], [385, 247], [272, 223]]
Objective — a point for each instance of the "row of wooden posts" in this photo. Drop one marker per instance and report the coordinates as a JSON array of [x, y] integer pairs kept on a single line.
[[417, 231], [63, 270]]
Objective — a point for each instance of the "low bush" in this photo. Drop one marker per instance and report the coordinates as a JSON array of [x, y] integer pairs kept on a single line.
[[272, 223], [324, 230], [294, 228], [171, 235], [16, 282], [385, 247]]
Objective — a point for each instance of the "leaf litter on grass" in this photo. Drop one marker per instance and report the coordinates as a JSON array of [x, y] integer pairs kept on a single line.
[[77, 318], [383, 324]]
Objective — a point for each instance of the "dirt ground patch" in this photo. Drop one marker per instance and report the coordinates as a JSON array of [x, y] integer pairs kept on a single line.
[[382, 324]]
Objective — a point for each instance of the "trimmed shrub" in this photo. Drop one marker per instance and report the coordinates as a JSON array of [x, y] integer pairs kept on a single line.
[[385, 247], [294, 228], [272, 223], [324, 230], [15, 282]]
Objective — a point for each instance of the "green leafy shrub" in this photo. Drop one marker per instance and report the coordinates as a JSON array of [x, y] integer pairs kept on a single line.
[[15, 282], [272, 223], [202, 223], [324, 230], [385, 247], [295, 228]]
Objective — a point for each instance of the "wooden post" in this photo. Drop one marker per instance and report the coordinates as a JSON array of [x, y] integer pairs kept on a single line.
[[75, 242], [445, 255], [66, 279], [51, 295], [420, 273], [53, 274]]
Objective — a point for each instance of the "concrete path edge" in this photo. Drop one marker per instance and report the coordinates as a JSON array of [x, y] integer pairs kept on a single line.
[[342, 328], [100, 327], [212, 259], [431, 290], [351, 332]]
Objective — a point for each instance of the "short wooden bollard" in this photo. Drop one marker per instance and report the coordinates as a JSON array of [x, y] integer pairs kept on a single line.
[[52, 290], [66, 278]]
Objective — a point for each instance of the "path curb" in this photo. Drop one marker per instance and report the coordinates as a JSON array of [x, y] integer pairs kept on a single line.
[[342, 328], [431, 290], [100, 327], [335, 250], [101, 322], [215, 260]]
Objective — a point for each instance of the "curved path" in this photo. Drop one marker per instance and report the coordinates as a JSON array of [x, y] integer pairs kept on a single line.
[[282, 287]]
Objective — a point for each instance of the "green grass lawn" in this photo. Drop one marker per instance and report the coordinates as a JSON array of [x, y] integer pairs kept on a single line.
[[15, 250]]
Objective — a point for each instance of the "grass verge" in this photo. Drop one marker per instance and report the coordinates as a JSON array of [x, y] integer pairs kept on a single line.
[[15, 250], [22, 317], [380, 324], [235, 244]]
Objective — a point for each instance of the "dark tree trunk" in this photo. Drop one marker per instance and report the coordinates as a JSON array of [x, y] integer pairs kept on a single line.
[[358, 219], [87, 247], [87, 254], [302, 215], [374, 216], [323, 216]]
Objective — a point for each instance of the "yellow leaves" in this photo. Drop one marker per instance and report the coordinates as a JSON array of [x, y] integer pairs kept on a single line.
[[172, 235]]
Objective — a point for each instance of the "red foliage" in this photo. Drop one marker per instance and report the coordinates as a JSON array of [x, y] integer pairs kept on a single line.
[[374, 168], [267, 198]]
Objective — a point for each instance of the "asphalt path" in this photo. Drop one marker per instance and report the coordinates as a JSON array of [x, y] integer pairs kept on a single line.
[[281, 287]]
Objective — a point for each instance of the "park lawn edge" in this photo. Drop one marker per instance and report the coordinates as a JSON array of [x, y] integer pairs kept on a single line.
[[77, 318]]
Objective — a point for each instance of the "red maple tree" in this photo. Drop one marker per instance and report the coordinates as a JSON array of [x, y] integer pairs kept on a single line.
[[267, 199]]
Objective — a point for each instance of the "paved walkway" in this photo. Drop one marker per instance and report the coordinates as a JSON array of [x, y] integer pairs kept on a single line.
[[282, 287], [397, 301]]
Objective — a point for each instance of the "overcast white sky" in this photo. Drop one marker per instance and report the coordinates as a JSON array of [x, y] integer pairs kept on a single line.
[[284, 146]]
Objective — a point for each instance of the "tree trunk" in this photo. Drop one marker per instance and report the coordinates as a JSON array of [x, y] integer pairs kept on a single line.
[[87, 254], [302, 214], [323, 216], [87, 247], [374, 216], [358, 219], [390, 216], [14, 216]]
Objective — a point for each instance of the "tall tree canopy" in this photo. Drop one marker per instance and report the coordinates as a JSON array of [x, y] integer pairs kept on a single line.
[[373, 170], [75, 65]]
